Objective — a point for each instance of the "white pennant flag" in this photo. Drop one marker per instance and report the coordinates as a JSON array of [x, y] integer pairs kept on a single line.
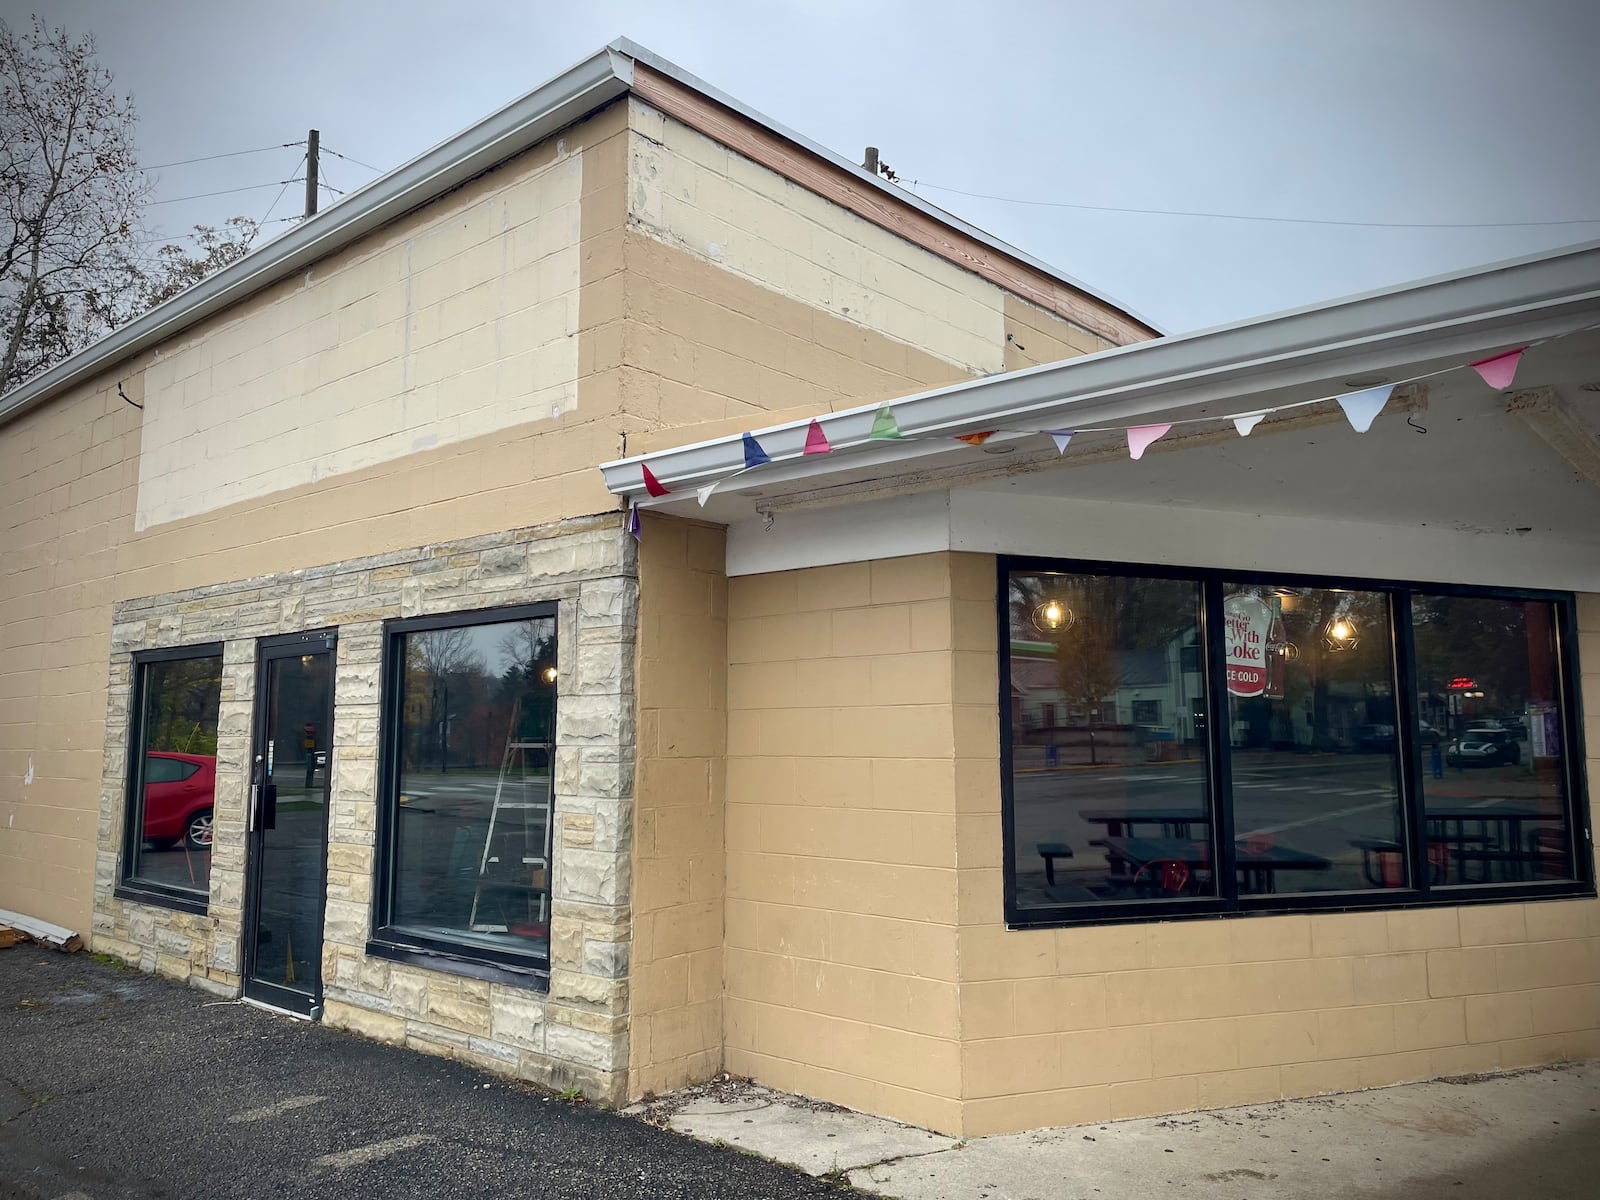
[[1061, 437], [704, 493], [1248, 421], [1362, 408]]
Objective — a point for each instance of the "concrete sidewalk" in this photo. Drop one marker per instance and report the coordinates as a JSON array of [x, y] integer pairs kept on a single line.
[[1534, 1135]]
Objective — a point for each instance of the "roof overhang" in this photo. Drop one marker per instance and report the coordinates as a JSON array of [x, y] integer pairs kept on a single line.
[[1285, 358]]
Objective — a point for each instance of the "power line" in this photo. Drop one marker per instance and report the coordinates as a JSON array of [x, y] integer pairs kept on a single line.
[[183, 162], [254, 187], [262, 224], [348, 159], [1220, 216]]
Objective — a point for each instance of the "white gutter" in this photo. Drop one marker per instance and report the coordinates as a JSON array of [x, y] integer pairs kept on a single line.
[[1448, 318], [519, 126]]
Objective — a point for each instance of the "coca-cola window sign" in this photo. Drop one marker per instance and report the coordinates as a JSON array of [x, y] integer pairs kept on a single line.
[[1255, 639]]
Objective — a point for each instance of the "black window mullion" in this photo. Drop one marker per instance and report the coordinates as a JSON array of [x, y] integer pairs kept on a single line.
[[1409, 741], [1574, 777], [1221, 743]]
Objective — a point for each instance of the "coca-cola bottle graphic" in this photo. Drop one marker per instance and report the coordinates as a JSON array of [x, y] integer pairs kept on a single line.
[[1277, 649]]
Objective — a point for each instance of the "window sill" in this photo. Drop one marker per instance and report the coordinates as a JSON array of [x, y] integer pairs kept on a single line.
[[1264, 906], [534, 976], [158, 897]]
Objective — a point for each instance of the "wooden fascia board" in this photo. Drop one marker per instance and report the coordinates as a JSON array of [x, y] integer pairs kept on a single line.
[[816, 175]]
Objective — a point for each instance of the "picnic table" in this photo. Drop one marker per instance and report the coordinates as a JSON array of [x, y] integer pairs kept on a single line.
[[1484, 833], [1258, 865], [1123, 822]]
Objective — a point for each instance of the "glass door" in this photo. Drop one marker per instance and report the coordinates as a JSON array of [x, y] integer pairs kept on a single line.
[[287, 822]]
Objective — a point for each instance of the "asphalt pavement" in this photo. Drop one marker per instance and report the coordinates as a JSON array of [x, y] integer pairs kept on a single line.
[[118, 1084]]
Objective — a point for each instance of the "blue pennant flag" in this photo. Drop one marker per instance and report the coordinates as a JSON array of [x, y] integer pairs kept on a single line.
[[754, 455]]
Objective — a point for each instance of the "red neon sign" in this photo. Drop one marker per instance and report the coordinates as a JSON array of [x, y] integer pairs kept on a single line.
[[1462, 683]]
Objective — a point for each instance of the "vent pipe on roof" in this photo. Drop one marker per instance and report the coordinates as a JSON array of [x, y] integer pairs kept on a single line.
[[871, 164]]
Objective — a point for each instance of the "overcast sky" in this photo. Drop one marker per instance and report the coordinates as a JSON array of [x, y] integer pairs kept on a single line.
[[1398, 111]]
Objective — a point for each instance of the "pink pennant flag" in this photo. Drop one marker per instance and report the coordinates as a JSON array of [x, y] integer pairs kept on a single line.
[[1499, 371], [651, 483], [1245, 423], [1362, 408], [1061, 437], [816, 440], [1141, 437]]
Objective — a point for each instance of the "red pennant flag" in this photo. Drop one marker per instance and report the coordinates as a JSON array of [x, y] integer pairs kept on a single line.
[[975, 439], [816, 441], [1499, 371], [651, 483]]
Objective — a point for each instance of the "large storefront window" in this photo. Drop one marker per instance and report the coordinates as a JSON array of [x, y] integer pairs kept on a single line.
[[1188, 741], [1494, 756], [470, 727], [1109, 791], [1311, 721], [172, 772]]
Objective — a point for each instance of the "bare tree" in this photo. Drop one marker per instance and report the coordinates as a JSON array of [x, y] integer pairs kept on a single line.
[[71, 191], [176, 269]]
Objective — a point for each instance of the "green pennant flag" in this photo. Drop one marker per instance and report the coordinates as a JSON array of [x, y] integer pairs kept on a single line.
[[883, 424]]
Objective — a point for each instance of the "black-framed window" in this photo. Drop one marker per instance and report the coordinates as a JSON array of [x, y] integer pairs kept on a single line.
[[172, 775], [469, 723], [1195, 742]]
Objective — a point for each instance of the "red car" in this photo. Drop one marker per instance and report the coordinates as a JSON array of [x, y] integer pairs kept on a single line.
[[178, 790]]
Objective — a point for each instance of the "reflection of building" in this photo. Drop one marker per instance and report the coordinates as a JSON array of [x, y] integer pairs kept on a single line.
[[778, 809], [1153, 693]]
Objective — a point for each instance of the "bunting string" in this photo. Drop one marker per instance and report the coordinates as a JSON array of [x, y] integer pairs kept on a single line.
[[1361, 408]]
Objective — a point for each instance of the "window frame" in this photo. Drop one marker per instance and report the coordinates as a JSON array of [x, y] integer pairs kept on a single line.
[[404, 945], [1418, 892], [130, 886]]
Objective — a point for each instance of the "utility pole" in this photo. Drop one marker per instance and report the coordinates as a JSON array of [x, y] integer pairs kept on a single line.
[[313, 138]]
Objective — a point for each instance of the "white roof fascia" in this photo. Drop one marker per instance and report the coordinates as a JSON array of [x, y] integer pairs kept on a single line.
[[862, 175], [519, 126], [1477, 311]]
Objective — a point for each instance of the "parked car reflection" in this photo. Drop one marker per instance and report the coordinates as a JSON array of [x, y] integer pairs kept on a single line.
[[178, 798], [1484, 748]]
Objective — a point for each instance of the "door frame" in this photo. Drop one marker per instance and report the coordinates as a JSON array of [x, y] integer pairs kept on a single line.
[[294, 645]]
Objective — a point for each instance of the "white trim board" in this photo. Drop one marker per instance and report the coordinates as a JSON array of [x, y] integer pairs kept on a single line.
[[992, 523]]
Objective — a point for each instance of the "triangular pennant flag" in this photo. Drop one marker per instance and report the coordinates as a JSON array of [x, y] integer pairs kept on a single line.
[[1362, 408], [1140, 438], [816, 441], [704, 494], [1244, 424], [633, 523], [975, 439], [883, 424], [1061, 437], [754, 455], [651, 483], [1499, 371]]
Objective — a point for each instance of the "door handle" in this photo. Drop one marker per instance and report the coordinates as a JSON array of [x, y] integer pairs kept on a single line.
[[255, 793]]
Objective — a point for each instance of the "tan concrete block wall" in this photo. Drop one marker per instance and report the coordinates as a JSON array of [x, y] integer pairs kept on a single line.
[[844, 764], [68, 475], [752, 300], [675, 979], [1076, 1025]]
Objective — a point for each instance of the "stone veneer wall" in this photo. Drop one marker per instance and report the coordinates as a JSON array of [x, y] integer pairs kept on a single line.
[[575, 1034]]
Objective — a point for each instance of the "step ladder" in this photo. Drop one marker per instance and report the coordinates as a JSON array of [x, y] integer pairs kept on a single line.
[[507, 870]]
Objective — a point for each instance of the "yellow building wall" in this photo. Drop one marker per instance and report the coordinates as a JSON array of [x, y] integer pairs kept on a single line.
[[675, 1012], [843, 793]]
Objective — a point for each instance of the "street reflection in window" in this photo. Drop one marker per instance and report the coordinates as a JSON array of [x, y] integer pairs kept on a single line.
[[474, 761]]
